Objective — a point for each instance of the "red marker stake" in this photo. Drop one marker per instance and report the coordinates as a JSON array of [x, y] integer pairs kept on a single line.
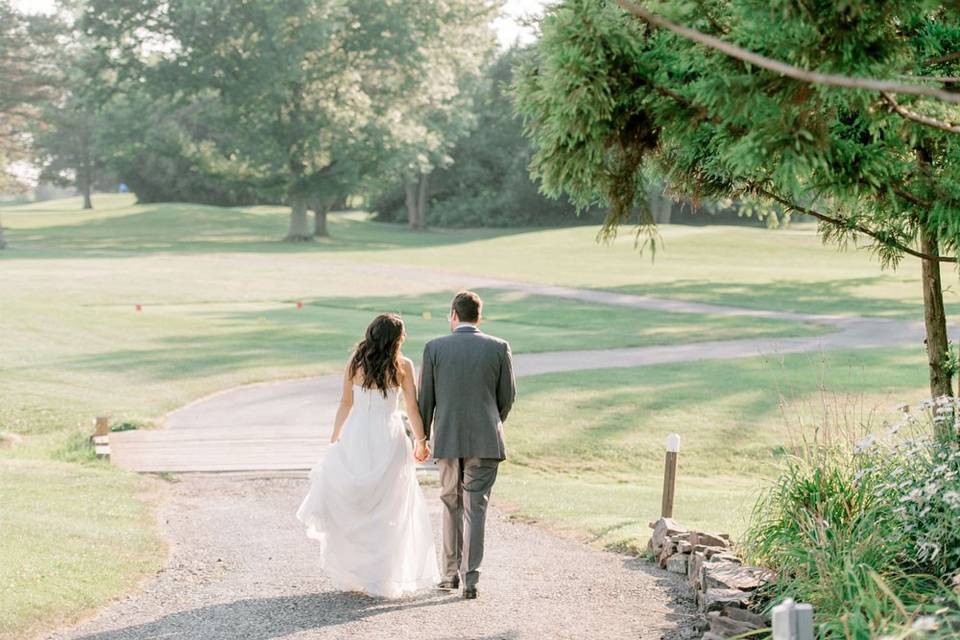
[[139, 307], [299, 305]]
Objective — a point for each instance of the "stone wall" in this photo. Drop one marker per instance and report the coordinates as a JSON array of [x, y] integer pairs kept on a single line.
[[724, 586]]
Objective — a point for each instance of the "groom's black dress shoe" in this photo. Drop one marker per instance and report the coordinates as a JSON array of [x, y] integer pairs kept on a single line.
[[449, 584], [469, 593]]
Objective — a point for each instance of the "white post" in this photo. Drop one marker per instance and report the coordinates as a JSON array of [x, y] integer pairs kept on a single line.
[[783, 620], [804, 615], [792, 621]]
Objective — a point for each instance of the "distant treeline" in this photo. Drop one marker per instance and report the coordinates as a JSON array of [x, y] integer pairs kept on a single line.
[[406, 107]]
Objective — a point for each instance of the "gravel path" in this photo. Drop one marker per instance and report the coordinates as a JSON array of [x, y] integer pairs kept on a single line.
[[241, 568]]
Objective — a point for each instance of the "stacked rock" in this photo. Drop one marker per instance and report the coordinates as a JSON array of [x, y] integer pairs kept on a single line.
[[724, 586]]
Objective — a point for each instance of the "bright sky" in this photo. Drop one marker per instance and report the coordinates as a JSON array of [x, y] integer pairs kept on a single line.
[[508, 25]]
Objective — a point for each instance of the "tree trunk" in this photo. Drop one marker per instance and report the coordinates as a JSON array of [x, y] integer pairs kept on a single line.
[[86, 177], [410, 189], [299, 223], [321, 207], [935, 319], [320, 223], [422, 201], [661, 207]]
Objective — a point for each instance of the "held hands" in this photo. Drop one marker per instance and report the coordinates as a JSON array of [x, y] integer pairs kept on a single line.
[[421, 450]]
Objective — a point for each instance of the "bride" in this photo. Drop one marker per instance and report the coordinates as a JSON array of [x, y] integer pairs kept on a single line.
[[364, 505]]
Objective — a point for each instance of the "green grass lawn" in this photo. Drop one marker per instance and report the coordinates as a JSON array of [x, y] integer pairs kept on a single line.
[[786, 269], [73, 537], [64, 361], [218, 292], [586, 449]]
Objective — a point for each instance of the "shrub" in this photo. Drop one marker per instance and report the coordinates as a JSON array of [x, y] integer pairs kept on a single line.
[[868, 534]]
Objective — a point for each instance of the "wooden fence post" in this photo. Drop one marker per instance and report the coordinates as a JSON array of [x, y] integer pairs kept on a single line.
[[670, 475], [103, 426], [101, 437]]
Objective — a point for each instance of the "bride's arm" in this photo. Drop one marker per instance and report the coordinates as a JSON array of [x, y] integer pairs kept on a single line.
[[409, 386], [346, 403]]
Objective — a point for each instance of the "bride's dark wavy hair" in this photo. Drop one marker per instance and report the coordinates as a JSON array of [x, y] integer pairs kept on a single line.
[[377, 356]]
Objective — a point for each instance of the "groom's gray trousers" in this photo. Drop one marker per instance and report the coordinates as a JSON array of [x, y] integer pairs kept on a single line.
[[465, 485]]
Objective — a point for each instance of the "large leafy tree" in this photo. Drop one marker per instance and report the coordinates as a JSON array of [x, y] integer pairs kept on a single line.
[[64, 135], [854, 123], [27, 76], [167, 150], [486, 182], [436, 117], [310, 86]]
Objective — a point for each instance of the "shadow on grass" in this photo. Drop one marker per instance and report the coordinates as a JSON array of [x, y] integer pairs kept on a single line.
[[193, 229], [824, 297], [325, 329], [610, 422], [267, 618]]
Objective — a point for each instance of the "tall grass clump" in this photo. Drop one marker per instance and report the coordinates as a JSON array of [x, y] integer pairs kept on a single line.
[[868, 532]]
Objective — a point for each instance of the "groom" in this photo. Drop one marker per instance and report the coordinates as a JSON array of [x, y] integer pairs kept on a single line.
[[466, 391]]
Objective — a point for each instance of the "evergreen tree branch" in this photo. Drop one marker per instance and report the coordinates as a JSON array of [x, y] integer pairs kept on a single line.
[[911, 198], [941, 79], [950, 57], [789, 70], [846, 224], [919, 117]]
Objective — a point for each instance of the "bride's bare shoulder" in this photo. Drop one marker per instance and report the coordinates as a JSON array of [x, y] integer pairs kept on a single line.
[[352, 373]]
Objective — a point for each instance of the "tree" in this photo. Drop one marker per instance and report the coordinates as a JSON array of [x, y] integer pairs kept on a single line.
[[64, 135], [612, 94], [440, 114], [170, 150], [486, 182], [308, 85], [64, 144], [26, 76]]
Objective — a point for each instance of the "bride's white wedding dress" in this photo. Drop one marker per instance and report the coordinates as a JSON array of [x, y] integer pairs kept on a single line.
[[366, 507]]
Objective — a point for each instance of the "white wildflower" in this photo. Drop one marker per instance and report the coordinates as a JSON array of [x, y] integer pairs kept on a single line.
[[914, 496], [928, 550], [865, 444], [925, 623], [952, 498]]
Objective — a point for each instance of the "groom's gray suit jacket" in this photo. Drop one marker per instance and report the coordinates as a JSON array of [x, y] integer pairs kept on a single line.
[[467, 388]]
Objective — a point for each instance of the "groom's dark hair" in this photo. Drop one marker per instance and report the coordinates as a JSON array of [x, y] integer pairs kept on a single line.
[[468, 305]]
